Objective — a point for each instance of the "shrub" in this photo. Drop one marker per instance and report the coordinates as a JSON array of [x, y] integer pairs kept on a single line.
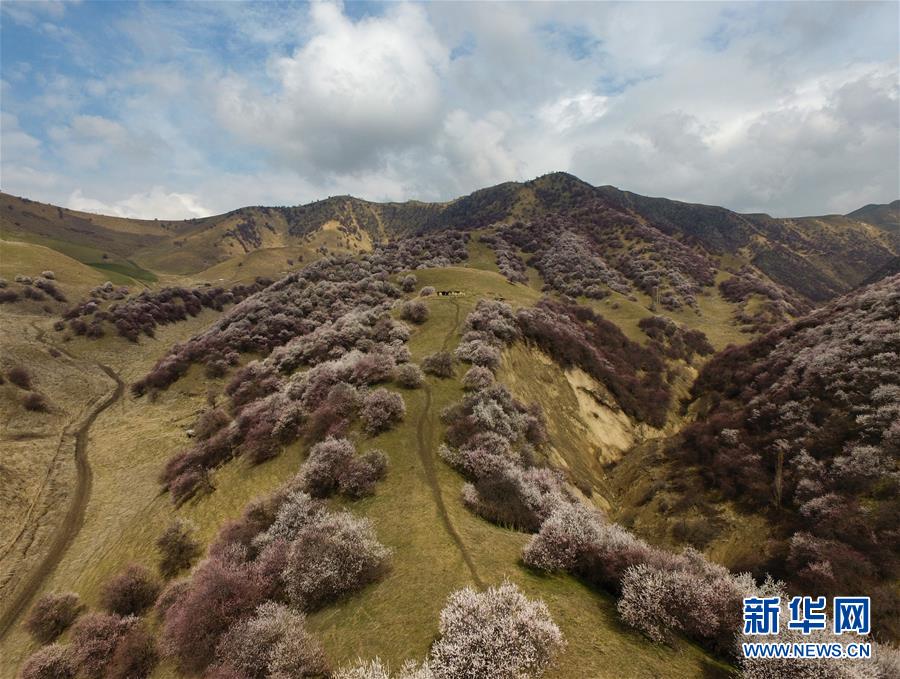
[[477, 377], [272, 643], [359, 478], [439, 364], [495, 634], [427, 291], [135, 656], [49, 275], [408, 284], [94, 640], [415, 311], [50, 662], [297, 511], [335, 556], [210, 422], [375, 669], [52, 614], [177, 547], [381, 409], [19, 376], [328, 461], [409, 376], [131, 592], [8, 296], [514, 497], [35, 402], [220, 593]]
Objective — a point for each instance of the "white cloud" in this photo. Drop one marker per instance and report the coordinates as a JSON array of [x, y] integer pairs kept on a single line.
[[784, 108], [155, 203], [573, 111], [352, 93]]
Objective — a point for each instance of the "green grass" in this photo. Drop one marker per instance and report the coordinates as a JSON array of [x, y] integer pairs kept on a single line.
[[126, 271], [117, 269]]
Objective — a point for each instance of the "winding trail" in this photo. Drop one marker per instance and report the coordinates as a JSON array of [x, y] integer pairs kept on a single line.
[[424, 436], [70, 525]]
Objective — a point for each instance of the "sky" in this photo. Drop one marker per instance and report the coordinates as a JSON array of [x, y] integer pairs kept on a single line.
[[177, 110]]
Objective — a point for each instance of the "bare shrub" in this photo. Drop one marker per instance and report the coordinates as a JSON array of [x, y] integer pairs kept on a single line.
[[359, 478], [220, 593], [177, 547], [331, 558], [131, 592], [210, 422], [381, 409], [409, 376], [439, 364], [135, 656], [50, 662], [408, 284], [52, 614], [495, 634], [272, 643], [20, 376], [94, 640], [415, 311], [427, 291], [35, 402]]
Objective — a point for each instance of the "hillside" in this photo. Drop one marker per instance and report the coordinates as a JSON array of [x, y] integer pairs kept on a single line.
[[885, 216], [320, 425], [817, 258]]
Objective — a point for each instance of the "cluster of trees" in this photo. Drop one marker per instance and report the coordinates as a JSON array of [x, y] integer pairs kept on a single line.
[[564, 257], [575, 336], [145, 311], [426, 251], [36, 289], [270, 411], [663, 263], [302, 301], [495, 634], [588, 249], [804, 423], [333, 466], [490, 327], [777, 304], [664, 594], [114, 644], [492, 440], [508, 261], [241, 613], [673, 341]]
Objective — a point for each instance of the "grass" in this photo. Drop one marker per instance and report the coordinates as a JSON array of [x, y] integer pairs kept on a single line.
[[127, 271], [396, 618]]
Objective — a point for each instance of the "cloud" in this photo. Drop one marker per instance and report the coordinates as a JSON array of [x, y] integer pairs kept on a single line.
[[784, 108], [352, 93], [156, 202]]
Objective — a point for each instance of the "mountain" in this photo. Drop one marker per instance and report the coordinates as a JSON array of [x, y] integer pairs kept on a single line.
[[353, 432], [816, 257], [885, 216]]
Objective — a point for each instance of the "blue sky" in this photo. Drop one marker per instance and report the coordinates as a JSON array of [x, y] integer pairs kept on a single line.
[[174, 109]]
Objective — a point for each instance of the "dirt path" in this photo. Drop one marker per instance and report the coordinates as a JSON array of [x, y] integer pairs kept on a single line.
[[424, 438], [74, 518]]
